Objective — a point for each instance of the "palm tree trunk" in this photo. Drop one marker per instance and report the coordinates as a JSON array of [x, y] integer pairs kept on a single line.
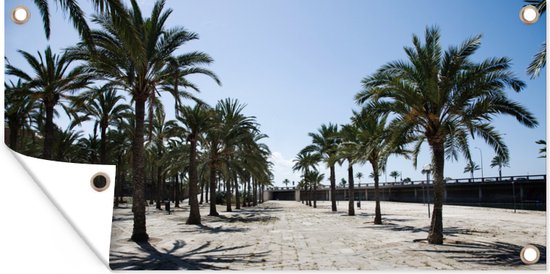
[[202, 192], [262, 195], [309, 198], [206, 191], [333, 187], [351, 206], [246, 192], [228, 195], [377, 213], [194, 212], [139, 232], [103, 144], [249, 191], [436, 230], [237, 197], [500, 173], [213, 211], [255, 193], [159, 189], [314, 194], [14, 131], [48, 132], [177, 198]]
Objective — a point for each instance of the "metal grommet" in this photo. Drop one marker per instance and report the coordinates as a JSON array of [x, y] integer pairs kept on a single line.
[[529, 14], [20, 15], [100, 181], [530, 254]]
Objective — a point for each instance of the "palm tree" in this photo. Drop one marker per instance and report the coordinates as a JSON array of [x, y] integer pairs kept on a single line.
[[440, 97], [306, 162], [539, 59], [18, 110], [197, 121], [375, 146], [500, 162], [471, 167], [65, 148], [395, 174], [229, 129], [133, 56], [77, 16], [161, 131], [325, 144], [359, 176], [542, 150], [102, 105], [286, 182], [51, 84], [348, 151], [315, 178]]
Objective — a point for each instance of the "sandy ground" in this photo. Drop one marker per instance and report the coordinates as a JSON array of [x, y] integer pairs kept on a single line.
[[287, 235]]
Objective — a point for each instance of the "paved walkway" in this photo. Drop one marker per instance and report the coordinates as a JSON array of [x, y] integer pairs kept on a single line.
[[287, 235]]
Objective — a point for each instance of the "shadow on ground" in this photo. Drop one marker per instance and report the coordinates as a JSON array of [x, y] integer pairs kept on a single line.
[[202, 257], [447, 231], [486, 253]]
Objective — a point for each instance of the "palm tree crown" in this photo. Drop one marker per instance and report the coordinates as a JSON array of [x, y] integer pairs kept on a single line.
[[442, 96]]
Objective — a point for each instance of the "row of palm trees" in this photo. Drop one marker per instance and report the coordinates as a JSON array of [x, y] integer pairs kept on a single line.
[[436, 96], [135, 58]]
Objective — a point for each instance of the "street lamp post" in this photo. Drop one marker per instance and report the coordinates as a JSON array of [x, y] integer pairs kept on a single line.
[[481, 156]]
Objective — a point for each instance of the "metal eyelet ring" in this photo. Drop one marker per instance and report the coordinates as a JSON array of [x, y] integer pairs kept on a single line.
[[529, 14], [530, 254], [100, 181], [20, 15]]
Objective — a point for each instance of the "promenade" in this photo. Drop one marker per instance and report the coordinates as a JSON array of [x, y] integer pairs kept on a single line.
[[288, 235]]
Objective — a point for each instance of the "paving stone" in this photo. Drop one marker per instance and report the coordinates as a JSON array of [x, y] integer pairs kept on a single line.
[[287, 235]]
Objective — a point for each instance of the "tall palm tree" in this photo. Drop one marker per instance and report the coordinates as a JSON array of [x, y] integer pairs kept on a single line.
[[286, 182], [161, 131], [375, 146], [471, 167], [197, 120], [395, 174], [233, 129], [539, 59], [440, 97], [51, 83], [77, 15], [306, 162], [359, 176], [103, 105], [65, 148], [500, 162], [348, 151], [315, 178], [18, 110], [325, 143], [542, 150], [133, 56]]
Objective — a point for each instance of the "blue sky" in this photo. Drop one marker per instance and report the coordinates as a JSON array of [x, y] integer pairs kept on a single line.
[[298, 63]]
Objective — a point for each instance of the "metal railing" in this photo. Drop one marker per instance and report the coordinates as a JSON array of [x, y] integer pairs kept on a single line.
[[480, 180]]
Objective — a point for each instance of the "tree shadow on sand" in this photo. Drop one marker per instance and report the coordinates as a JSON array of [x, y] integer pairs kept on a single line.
[[202, 257], [447, 231], [210, 229], [486, 253], [244, 218]]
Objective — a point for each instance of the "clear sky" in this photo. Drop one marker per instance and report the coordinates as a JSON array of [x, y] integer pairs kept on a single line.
[[298, 63]]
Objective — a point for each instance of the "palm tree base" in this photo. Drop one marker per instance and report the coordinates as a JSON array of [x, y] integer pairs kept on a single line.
[[435, 239], [215, 214], [142, 237], [377, 221], [193, 221]]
